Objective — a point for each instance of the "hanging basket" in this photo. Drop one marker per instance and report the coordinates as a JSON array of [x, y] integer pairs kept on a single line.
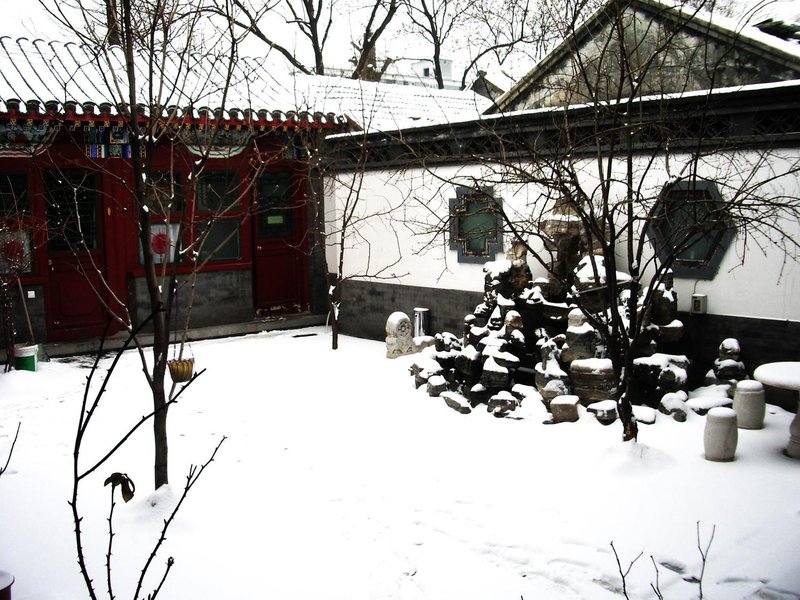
[[181, 369]]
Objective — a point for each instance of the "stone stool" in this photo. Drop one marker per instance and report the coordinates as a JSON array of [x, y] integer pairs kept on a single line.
[[749, 404], [721, 434]]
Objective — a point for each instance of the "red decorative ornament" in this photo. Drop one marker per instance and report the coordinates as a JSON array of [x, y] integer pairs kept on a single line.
[[160, 243]]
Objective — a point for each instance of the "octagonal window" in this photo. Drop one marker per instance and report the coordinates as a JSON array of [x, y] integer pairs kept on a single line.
[[692, 228]]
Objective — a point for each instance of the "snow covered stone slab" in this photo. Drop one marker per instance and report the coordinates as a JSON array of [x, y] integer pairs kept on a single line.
[[564, 408], [457, 402], [526, 392], [604, 410], [645, 414], [705, 398], [593, 379]]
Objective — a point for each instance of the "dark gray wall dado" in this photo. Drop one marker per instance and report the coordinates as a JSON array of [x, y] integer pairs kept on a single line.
[[366, 306], [35, 307], [220, 297]]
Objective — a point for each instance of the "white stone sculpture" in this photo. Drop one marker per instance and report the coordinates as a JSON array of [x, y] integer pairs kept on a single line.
[[399, 340]]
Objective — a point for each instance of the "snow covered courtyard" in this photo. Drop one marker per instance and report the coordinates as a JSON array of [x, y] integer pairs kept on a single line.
[[339, 481]]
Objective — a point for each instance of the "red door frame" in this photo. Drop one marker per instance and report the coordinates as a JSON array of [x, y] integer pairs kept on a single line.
[[281, 265], [109, 258]]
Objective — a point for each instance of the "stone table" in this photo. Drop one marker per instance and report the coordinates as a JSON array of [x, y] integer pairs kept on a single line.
[[784, 375]]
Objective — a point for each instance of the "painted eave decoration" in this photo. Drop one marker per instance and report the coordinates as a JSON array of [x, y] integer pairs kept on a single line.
[[45, 81]]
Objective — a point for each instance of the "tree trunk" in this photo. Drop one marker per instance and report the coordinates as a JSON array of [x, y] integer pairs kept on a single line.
[[161, 464]]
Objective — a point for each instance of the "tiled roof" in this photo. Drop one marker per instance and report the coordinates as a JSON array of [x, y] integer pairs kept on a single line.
[[58, 79]]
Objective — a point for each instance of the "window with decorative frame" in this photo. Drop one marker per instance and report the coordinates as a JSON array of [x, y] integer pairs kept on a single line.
[[73, 218], [164, 197], [475, 228], [691, 226]]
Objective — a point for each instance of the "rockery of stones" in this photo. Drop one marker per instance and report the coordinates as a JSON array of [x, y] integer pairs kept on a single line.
[[526, 343]]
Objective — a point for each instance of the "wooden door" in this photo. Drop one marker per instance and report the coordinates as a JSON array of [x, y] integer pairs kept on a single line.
[[279, 250], [76, 293]]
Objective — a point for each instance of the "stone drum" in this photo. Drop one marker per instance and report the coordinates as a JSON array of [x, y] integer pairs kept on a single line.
[[749, 404], [721, 434]]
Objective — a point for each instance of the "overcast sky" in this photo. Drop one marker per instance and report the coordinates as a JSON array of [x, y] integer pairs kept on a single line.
[[27, 18]]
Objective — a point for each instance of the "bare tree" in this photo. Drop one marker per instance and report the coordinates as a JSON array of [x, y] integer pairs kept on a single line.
[[435, 20], [314, 20], [153, 57], [90, 406], [11, 450]]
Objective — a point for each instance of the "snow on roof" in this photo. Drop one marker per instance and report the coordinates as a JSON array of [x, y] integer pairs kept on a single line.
[[705, 23], [722, 91], [68, 76], [390, 107]]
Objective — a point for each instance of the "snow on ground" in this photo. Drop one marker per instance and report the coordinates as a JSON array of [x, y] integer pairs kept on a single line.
[[339, 480]]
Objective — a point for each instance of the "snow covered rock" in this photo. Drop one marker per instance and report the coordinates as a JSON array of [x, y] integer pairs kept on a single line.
[[436, 385], [494, 375], [564, 408], [423, 369], [457, 402], [502, 403], [581, 337], [645, 415], [605, 411], [468, 365], [525, 392], [553, 389], [727, 367], [656, 375], [593, 379], [674, 404]]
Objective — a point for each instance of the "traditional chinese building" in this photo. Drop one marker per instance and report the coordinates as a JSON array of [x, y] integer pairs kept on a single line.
[[69, 216]]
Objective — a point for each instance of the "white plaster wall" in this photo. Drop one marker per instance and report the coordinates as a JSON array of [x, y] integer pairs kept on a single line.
[[401, 234]]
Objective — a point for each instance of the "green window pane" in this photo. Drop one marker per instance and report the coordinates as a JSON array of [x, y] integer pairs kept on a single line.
[[478, 225], [691, 226], [275, 211]]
